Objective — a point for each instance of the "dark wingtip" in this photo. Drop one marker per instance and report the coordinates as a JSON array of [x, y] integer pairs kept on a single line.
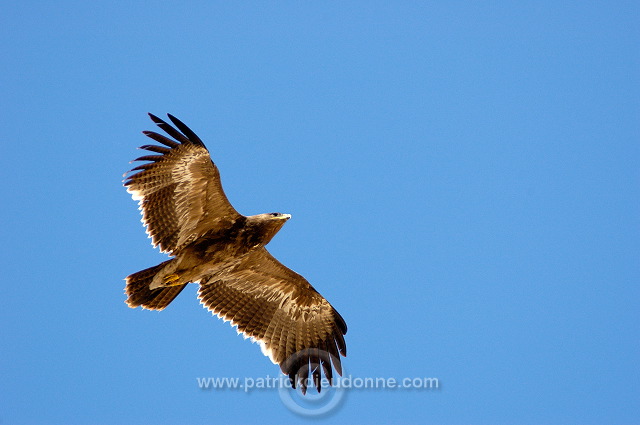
[[193, 137], [161, 139], [179, 137], [154, 118], [317, 378], [342, 325]]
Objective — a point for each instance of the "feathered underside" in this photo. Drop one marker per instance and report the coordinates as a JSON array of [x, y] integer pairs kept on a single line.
[[179, 191], [181, 199]]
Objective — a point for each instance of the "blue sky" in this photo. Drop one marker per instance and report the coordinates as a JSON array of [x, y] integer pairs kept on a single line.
[[463, 180]]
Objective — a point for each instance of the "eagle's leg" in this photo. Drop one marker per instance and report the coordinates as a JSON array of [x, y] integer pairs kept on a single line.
[[171, 280]]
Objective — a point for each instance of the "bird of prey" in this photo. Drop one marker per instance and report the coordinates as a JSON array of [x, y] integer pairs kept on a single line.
[[188, 216]]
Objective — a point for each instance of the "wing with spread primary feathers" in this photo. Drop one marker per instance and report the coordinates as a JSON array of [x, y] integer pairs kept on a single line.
[[179, 190], [275, 306]]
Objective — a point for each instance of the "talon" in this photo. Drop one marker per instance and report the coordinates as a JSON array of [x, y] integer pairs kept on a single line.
[[169, 280]]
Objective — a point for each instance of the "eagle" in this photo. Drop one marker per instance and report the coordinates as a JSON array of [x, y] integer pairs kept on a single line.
[[188, 216]]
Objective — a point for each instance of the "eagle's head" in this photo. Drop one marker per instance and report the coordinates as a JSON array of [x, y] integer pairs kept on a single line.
[[267, 224], [278, 216]]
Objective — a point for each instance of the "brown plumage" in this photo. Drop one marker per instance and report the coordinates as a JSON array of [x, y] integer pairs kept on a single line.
[[188, 216]]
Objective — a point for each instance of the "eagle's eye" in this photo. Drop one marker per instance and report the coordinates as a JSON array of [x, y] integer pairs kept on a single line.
[[275, 214]]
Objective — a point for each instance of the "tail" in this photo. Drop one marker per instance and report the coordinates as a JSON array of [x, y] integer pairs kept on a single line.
[[139, 294]]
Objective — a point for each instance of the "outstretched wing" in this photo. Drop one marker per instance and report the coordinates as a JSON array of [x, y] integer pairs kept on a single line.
[[294, 325], [179, 190]]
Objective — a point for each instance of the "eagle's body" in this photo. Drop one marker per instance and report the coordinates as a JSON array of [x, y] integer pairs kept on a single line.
[[188, 216], [217, 251]]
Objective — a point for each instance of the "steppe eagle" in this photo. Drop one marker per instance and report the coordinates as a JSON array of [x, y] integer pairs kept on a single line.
[[188, 216]]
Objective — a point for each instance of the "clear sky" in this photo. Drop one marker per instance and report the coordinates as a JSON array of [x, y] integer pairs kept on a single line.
[[463, 179]]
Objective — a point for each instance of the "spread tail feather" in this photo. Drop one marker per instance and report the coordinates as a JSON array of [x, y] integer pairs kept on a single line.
[[139, 294]]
